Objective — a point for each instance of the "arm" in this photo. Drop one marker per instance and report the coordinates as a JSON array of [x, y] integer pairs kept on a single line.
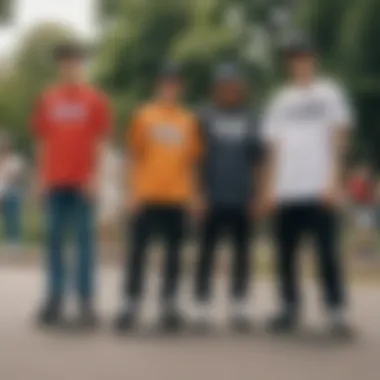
[[341, 120], [134, 145], [197, 152], [103, 126], [334, 192], [266, 181], [39, 129], [267, 171]]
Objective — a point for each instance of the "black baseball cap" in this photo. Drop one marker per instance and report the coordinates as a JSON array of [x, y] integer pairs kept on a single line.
[[227, 72], [299, 46], [68, 50]]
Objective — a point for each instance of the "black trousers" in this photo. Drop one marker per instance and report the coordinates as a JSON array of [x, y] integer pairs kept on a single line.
[[166, 223], [292, 223], [235, 223]]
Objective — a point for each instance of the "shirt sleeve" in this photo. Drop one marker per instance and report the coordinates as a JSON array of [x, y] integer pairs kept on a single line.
[[39, 118], [102, 116], [341, 110]]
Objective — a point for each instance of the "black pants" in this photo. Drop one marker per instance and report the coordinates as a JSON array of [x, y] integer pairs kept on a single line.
[[167, 223], [236, 223], [292, 223]]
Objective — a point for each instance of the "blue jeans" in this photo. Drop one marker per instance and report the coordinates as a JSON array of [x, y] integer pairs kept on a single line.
[[11, 209], [69, 211]]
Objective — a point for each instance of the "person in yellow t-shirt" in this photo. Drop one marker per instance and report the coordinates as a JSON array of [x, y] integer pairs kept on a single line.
[[164, 145]]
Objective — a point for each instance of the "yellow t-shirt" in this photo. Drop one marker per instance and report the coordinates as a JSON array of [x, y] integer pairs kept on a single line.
[[164, 145]]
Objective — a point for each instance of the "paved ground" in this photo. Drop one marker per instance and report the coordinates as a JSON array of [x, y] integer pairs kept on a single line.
[[29, 354]]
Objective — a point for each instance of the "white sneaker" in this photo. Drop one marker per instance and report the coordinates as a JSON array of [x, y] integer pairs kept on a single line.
[[130, 307], [339, 325], [202, 314], [240, 310], [337, 316], [241, 316]]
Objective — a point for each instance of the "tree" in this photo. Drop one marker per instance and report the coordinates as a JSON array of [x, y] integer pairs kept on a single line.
[[144, 34], [360, 56], [346, 33], [32, 67]]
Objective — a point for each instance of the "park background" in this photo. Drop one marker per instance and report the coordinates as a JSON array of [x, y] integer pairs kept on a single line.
[[129, 40]]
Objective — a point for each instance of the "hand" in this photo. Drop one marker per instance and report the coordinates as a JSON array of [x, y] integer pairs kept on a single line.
[[132, 205], [332, 196], [265, 206], [39, 190], [89, 190], [198, 207]]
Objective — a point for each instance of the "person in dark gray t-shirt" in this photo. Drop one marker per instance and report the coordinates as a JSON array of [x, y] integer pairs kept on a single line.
[[232, 151]]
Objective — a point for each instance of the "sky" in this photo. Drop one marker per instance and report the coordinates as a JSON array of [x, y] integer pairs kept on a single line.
[[78, 14]]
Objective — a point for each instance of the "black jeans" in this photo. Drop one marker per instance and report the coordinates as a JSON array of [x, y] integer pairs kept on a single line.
[[167, 223], [291, 224], [234, 222]]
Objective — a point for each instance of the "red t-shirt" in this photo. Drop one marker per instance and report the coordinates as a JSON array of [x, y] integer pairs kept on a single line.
[[69, 121]]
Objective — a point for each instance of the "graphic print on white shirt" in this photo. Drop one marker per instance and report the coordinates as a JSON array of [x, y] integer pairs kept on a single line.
[[300, 121]]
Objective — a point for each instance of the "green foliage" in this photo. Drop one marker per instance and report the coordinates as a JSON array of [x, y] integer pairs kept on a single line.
[[145, 34], [6, 11], [139, 35], [346, 32], [31, 69]]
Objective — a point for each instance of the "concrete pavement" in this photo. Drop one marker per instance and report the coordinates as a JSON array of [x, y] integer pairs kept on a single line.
[[27, 353]]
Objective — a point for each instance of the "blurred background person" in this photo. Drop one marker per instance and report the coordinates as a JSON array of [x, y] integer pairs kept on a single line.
[[307, 125], [163, 147], [110, 195], [362, 194], [377, 216], [70, 122], [232, 151], [11, 193]]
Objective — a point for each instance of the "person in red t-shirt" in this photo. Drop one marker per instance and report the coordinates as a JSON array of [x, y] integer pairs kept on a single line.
[[362, 196], [70, 121]]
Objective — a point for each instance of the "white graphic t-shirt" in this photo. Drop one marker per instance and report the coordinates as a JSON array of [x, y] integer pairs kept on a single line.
[[300, 122]]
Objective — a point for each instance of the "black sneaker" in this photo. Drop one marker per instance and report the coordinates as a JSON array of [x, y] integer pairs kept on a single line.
[[282, 324], [125, 321], [241, 324], [50, 315], [202, 327], [171, 321], [341, 330]]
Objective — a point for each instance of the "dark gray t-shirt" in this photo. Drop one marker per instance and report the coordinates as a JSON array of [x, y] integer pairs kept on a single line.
[[232, 148]]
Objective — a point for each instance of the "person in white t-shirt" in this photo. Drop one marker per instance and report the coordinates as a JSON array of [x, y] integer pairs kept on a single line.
[[306, 127], [11, 170]]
